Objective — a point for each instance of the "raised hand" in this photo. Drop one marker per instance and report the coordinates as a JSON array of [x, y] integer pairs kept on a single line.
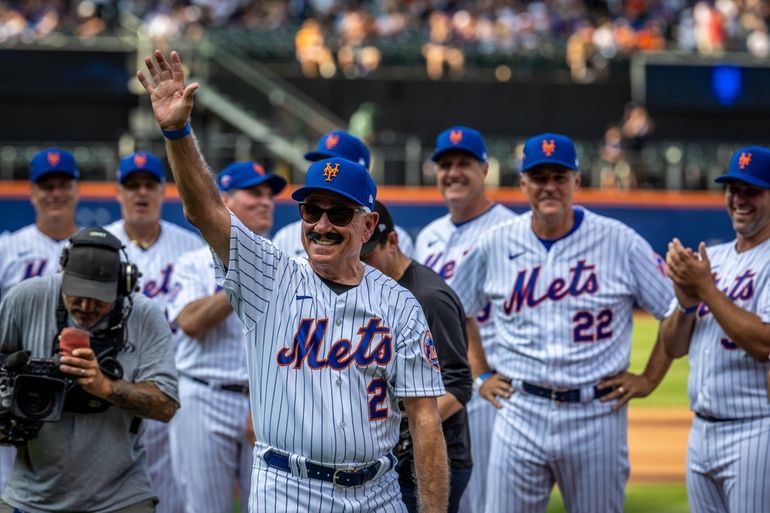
[[172, 100]]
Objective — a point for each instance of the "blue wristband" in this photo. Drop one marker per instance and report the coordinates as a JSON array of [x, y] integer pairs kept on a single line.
[[481, 378], [689, 310], [178, 134]]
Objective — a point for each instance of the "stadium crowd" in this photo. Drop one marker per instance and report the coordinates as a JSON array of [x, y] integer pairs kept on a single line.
[[358, 36]]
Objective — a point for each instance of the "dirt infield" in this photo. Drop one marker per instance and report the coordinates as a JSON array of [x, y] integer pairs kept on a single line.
[[657, 441]]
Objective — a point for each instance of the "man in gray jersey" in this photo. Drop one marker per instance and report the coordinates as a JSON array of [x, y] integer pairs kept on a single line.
[[721, 320], [446, 319], [332, 344], [212, 436], [92, 458]]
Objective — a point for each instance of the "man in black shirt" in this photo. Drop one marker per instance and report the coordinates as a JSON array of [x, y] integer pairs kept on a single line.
[[446, 319]]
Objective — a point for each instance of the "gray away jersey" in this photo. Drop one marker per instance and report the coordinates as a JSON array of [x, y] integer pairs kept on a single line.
[[325, 369]]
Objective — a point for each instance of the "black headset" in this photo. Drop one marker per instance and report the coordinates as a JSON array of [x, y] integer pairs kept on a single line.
[[128, 273]]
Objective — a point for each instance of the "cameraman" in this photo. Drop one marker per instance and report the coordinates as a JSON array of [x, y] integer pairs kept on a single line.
[[90, 461]]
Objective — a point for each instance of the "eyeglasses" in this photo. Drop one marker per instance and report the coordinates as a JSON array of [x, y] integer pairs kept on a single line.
[[338, 216]]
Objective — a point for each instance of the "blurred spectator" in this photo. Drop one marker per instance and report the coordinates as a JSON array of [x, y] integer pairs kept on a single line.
[[637, 127], [439, 50], [614, 171], [312, 53]]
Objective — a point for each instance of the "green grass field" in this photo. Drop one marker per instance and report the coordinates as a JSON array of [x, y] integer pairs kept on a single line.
[[672, 391]]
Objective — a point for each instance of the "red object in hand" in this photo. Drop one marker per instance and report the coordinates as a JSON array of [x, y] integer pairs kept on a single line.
[[73, 338]]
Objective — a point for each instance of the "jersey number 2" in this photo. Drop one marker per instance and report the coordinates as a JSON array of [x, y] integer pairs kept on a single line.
[[590, 328], [379, 392]]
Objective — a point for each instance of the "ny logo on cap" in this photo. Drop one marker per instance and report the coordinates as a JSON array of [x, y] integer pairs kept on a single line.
[[258, 169], [744, 160], [140, 160], [331, 172], [456, 136], [225, 180], [53, 158], [332, 141], [548, 147]]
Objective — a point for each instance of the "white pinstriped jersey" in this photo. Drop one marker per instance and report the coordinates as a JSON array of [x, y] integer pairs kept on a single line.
[[564, 315], [326, 369], [217, 356], [157, 262], [442, 245], [27, 253], [725, 381], [289, 240]]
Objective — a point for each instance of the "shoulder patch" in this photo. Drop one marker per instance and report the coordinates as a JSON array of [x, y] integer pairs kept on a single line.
[[429, 350]]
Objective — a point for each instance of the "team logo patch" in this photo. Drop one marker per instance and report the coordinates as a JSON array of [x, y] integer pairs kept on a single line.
[[140, 160], [660, 264], [548, 146], [455, 136], [429, 350], [331, 141], [53, 158], [330, 171], [258, 169], [225, 180], [744, 160]]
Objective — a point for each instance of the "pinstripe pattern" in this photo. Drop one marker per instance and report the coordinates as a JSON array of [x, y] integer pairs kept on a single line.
[[729, 462], [564, 320], [441, 245], [372, 333], [289, 240], [539, 442], [157, 267], [274, 491], [25, 253], [209, 450], [726, 382], [728, 466]]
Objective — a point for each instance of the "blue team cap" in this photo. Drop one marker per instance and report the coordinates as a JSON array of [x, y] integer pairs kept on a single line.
[[549, 149], [141, 161], [52, 160], [340, 144], [242, 175], [342, 176], [750, 165], [461, 138]]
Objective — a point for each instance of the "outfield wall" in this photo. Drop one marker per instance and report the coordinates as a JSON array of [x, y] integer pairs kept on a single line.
[[657, 215]]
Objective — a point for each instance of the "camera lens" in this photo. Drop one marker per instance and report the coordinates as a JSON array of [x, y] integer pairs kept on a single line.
[[37, 403]]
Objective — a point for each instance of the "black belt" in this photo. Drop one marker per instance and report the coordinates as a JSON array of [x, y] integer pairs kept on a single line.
[[230, 387], [708, 418], [562, 396], [338, 476]]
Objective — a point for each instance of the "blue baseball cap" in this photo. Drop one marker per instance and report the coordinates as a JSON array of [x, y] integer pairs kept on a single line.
[[246, 174], [342, 176], [461, 138], [549, 149], [52, 160], [750, 165], [340, 144], [141, 161]]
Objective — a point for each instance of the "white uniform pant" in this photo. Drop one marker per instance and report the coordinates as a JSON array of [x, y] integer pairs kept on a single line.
[[277, 491], [538, 442], [728, 464], [209, 449], [481, 422]]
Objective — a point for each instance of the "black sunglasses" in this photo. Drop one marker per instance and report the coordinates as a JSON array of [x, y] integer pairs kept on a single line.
[[338, 216]]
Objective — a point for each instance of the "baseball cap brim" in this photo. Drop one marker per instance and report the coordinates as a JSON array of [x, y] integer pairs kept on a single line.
[[558, 162], [303, 192], [275, 182], [80, 287], [437, 154], [745, 178]]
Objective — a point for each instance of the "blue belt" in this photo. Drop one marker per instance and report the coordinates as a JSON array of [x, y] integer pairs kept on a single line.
[[338, 476], [708, 418], [562, 396]]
